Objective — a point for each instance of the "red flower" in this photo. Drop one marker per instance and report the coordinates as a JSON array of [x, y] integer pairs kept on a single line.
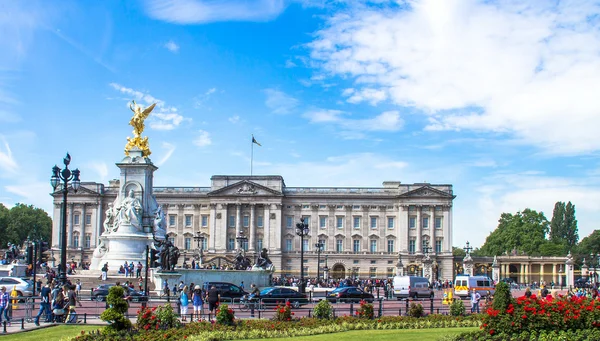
[[524, 316]]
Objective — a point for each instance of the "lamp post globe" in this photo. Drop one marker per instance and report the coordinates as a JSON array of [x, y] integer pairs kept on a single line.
[[302, 231], [65, 176]]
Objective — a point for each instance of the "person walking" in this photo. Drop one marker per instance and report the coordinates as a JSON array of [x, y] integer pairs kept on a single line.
[[197, 302], [475, 297], [255, 298], [73, 300], [4, 305], [78, 287], [45, 299], [184, 302], [213, 298]]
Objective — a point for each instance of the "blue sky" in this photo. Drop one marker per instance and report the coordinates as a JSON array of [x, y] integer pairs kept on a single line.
[[499, 99]]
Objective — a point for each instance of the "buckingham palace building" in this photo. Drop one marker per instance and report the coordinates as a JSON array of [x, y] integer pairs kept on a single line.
[[363, 230]]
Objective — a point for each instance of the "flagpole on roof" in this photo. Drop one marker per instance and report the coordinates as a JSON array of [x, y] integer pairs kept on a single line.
[[251, 154]]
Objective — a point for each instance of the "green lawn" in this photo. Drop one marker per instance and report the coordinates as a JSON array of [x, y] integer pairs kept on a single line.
[[382, 335], [48, 334]]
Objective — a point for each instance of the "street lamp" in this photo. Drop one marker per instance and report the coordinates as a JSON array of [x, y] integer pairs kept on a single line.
[[468, 248], [302, 230], [326, 270], [319, 246], [199, 238], [241, 239], [426, 248], [65, 175]]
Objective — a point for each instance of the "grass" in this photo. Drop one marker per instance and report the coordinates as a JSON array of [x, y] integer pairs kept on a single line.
[[50, 333], [381, 335]]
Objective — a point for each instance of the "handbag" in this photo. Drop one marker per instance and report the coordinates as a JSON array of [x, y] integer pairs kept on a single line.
[[58, 312]]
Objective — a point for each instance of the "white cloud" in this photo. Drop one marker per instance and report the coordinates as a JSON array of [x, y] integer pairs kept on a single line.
[[201, 99], [163, 117], [234, 119], [32, 193], [172, 46], [7, 161], [529, 70], [210, 91], [203, 139], [353, 128], [205, 11], [279, 102], [170, 149]]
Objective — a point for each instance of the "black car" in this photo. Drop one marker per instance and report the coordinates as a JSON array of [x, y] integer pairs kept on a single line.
[[100, 292], [582, 282], [228, 291], [349, 294], [275, 296]]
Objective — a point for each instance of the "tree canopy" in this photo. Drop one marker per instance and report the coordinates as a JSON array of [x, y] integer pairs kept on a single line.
[[22, 221], [563, 227]]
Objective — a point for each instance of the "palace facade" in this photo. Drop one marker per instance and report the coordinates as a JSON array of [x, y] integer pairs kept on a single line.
[[363, 230]]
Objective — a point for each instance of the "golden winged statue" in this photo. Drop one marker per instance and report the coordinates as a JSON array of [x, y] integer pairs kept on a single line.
[[137, 122]]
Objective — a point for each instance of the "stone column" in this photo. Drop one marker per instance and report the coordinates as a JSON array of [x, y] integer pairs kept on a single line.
[[82, 232], [251, 238], [554, 266], [419, 228], [180, 226], [495, 270], [212, 227], [99, 225], [238, 218], [521, 271], [569, 271], [541, 273], [447, 228], [267, 226]]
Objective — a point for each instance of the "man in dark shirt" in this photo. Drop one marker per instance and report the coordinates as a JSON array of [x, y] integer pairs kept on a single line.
[[255, 298], [45, 299], [213, 297]]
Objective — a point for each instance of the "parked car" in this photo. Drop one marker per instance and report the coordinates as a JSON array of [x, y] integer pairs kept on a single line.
[[349, 294], [228, 291], [24, 287], [275, 295], [100, 292]]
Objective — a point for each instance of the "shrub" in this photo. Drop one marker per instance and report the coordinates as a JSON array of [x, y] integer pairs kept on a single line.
[[161, 317], [115, 314], [283, 312], [457, 308], [225, 315], [365, 310], [323, 310], [502, 297], [415, 310]]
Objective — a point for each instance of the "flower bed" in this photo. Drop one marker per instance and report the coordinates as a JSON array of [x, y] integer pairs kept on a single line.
[[253, 329]]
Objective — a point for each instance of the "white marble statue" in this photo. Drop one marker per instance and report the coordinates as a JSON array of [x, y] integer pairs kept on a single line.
[[159, 224], [129, 211], [109, 221]]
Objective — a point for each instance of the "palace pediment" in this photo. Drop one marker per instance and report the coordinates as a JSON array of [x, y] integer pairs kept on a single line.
[[245, 188], [426, 192]]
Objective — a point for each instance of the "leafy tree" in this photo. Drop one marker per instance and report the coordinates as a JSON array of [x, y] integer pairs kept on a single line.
[[457, 251], [115, 314], [571, 232], [3, 224], [557, 224], [524, 232], [26, 221], [563, 227], [589, 244]]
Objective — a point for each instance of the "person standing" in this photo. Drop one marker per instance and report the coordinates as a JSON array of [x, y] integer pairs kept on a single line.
[[184, 301], [73, 300], [4, 305], [138, 272], [78, 287], [255, 298], [45, 299], [197, 302], [213, 298], [105, 272], [475, 297]]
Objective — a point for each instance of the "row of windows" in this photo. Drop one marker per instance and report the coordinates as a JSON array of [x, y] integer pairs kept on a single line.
[[412, 245], [76, 219], [339, 222], [87, 240], [189, 219], [412, 222], [373, 273], [339, 245]]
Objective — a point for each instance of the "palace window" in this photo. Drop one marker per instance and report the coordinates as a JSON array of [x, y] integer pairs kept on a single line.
[[356, 245], [356, 222], [438, 222], [412, 222], [172, 218], [324, 243], [259, 221], [322, 206], [323, 222], [259, 244], [306, 244], [75, 219], [204, 220], [339, 222], [339, 245], [75, 240], [306, 220], [205, 244], [390, 221], [390, 245], [88, 219], [88, 240], [390, 272], [373, 272], [188, 220], [373, 222], [373, 245], [438, 246], [412, 246], [231, 221], [231, 244], [245, 245], [289, 221], [288, 245], [187, 243], [246, 221], [425, 222]]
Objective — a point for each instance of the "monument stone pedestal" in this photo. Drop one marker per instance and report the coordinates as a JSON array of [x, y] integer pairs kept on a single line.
[[172, 278]]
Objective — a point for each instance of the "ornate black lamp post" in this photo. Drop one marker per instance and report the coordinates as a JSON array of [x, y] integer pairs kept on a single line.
[[468, 248], [302, 230], [65, 175], [326, 270], [241, 239], [319, 246], [427, 249], [200, 242]]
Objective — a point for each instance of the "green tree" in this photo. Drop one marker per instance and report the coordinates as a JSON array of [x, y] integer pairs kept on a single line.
[[457, 251], [26, 221], [563, 227], [115, 314], [4, 212], [571, 232], [589, 244], [524, 232], [557, 224]]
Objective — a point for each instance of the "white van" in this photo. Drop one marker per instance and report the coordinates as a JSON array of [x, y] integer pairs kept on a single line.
[[464, 285], [412, 286]]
